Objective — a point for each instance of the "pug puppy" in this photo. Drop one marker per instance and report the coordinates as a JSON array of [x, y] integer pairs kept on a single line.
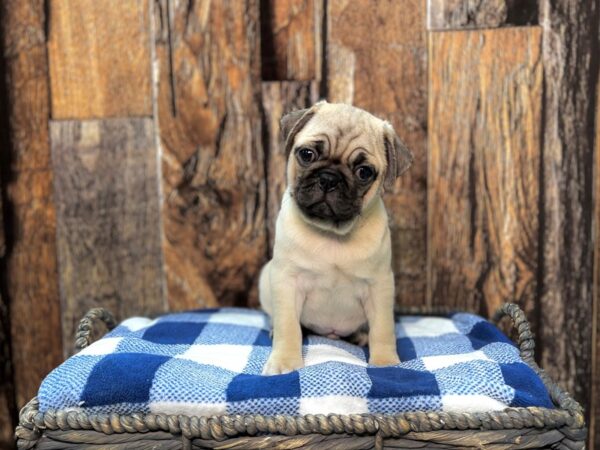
[[331, 268]]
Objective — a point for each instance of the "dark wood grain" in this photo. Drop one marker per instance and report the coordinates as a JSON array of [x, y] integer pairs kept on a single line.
[[31, 268], [3, 141], [376, 59], [108, 219], [484, 142], [279, 98], [594, 421], [213, 164], [7, 389], [461, 14], [570, 55], [99, 52], [7, 404], [291, 39]]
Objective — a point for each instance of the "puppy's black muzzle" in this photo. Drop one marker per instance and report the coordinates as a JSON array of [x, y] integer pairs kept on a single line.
[[329, 180], [327, 194]]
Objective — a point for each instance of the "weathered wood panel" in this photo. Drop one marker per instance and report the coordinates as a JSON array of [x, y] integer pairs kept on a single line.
[[460, 14], [594, 404], [108, 218], [484, 141], [376, 59], [99, 52], [31, 272], [7, 406], [4, 142], [279, 98], [6, 387], [214, 186], [570, 55], [291, 45]]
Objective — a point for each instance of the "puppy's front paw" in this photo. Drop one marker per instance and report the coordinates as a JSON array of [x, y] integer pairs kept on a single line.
[[280, 364], [384, 359]]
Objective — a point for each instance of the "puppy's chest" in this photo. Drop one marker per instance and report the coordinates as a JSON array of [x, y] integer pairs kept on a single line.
[[332, 301]]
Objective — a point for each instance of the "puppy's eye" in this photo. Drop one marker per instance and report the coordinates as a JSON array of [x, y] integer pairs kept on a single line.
[[307, 155], [364, 173]]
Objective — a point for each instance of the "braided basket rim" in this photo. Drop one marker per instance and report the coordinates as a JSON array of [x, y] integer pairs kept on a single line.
[[568, 413]]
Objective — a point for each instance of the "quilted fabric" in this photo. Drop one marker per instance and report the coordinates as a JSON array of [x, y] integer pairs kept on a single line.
[[209, 362]]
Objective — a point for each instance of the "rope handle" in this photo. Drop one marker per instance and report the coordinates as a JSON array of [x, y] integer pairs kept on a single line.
[[88, 326], [526, 346], [525, 340]]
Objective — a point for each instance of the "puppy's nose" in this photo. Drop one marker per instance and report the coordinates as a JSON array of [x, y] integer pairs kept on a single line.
[[328, 180]]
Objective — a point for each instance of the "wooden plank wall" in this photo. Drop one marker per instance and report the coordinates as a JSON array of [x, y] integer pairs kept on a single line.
[[465, 14], [484, 157], [516, 180], [115, 58], [7, 403], [108, 218], [594, 423], [108, 227], [7, 390], [570, 57], [210, 130], [31, 276], [291, 39], [142, 168]]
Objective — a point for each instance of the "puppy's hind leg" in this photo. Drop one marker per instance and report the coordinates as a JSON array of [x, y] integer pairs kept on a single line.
[[264, 294], [264, 289]]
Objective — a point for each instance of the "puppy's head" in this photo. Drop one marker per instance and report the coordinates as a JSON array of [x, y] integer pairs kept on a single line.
[[339, 157]]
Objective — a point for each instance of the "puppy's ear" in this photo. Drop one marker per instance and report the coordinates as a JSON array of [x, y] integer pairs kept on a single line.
[[292, 123], [288, 121], [399, 157]]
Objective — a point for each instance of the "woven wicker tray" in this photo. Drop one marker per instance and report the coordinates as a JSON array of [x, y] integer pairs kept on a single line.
[[513, 428]]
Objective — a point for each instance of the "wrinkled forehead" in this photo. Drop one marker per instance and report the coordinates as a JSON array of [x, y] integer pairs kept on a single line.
[[343, 130]]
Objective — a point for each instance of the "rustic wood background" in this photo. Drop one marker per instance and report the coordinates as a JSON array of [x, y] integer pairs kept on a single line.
[[141, 168]]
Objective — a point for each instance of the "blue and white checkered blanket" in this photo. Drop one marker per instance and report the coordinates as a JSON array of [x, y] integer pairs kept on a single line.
[[209, 362]]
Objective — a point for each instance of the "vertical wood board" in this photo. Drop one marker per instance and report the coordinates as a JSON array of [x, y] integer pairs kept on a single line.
[[570, 57], [108, 219], [291, 39], [31, 266], [7, 406], [464, 14], [213, 166], [484, 141], [7, 389], [594, 421], [99, 52]]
